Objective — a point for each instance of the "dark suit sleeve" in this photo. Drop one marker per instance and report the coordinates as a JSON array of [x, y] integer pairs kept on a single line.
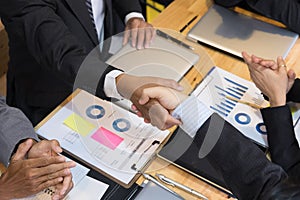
[[283, 145], [286, 11], [14, 127], [294, 93], [245, 168], [53, 45], [125, 7]]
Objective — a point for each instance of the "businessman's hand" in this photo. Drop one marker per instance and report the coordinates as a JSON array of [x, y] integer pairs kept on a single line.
[[50, 148], [140, 32], [131, 87], [168, 100], [271, 77], [25, 177]]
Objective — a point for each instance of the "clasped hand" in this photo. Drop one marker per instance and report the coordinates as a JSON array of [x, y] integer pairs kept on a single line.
[[35, 167]]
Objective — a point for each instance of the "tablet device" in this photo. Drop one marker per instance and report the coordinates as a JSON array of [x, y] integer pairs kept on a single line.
[[152, 191], [233, 33], [182, 152]]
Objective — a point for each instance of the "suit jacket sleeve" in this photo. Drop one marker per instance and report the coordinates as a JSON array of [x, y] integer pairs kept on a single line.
[[14, 127], [245, 168], [286, 11], [283, 145], [125, 7], [51, 42], [294, 95]]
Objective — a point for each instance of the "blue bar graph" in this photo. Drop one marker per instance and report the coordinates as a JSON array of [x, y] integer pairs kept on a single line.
[[232, 89]]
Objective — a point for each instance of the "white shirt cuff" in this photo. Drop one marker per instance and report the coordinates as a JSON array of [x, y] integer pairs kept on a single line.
[[133, 14], [110, 86], [192, 113]]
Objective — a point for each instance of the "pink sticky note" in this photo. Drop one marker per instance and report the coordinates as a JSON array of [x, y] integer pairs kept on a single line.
[[107, 138]]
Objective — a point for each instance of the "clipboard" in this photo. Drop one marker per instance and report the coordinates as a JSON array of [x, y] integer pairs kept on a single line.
[[54, 127]]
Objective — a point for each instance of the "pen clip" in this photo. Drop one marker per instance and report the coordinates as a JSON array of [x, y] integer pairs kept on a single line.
[[162, 179]]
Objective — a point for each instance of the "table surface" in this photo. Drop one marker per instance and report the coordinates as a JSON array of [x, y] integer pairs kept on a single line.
[[175, 17]]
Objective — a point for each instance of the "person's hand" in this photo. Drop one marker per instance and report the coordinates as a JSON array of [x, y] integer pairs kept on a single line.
[[270, 77], [131, 87], [49, 148], [45, 148], [168, 100], [25, 177], [140, 32], [273, 65]]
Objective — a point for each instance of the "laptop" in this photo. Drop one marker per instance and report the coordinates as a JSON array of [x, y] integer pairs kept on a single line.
[[167, 57], [233, 32]]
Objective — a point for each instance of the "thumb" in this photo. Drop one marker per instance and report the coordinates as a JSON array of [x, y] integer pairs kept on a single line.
[[291, 78], [149, 93], [22, 150], [171, 84]]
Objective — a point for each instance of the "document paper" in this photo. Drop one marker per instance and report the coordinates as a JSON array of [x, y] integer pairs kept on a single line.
[[108, 137]]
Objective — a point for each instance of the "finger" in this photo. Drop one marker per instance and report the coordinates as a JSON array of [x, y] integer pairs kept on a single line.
[[126, 35], [49, 170], [55, 174], [49, 183], [65, 185], [22, 150], [141, 38], [281, 62], [148, 93], [171, 121], [149, 36], [246, 57], [58, 195], [256, 59], [169, 83], [44, 161], [55, 146], [139, 114], [291, 74], [134, 33], [269, 64]]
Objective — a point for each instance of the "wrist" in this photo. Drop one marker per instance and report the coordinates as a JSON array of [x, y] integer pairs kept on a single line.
[[276, 102]]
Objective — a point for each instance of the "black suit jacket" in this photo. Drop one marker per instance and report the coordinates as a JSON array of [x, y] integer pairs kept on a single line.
[[286, 11], [48, 41], [244, 167], [283, 144]]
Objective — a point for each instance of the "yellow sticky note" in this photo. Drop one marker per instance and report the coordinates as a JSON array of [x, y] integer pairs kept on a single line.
[[79, 124]]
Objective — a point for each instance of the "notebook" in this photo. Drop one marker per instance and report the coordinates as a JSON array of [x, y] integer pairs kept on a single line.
[[167, 57], [234, 32]]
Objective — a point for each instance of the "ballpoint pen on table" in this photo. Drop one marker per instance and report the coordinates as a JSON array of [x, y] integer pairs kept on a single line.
[[154, 180], [183, 187], [253, 105]]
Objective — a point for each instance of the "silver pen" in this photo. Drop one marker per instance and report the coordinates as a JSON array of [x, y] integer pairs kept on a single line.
[[154, 180], [183, 187]]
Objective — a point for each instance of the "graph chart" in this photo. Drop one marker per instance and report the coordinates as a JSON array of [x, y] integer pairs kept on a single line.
[[223, 93]]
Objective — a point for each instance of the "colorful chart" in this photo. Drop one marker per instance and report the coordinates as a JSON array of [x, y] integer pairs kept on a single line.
[[107, 138], [95, 112], [233, 89], [121, 125]]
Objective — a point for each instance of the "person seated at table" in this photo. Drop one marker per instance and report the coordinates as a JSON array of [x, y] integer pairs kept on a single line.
[[32, 166], [286, 12], [246, 170]]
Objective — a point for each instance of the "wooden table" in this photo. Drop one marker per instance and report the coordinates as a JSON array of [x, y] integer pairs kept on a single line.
[[175, 17]]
